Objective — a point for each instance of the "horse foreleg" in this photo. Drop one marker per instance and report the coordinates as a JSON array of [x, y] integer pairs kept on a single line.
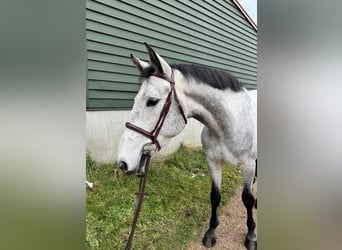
[[249, 202], [209, 239]]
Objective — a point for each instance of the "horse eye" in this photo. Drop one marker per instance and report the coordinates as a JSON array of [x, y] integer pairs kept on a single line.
[[152, 102]]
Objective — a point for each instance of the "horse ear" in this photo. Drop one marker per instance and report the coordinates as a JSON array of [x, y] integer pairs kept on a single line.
[[161, 65], [141, 65]]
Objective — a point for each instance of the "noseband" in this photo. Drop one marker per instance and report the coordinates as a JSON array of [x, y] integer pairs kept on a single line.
[[155, 132]]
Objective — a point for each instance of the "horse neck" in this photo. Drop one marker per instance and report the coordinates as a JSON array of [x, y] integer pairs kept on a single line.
[[212, 107]]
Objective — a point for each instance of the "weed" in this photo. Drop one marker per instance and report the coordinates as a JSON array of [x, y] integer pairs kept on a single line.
[[91, 166]]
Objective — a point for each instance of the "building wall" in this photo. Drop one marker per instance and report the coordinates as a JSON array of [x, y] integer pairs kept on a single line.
[[212, 33]]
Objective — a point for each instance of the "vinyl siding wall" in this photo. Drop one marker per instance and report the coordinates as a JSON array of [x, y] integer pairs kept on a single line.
[[213, 33]]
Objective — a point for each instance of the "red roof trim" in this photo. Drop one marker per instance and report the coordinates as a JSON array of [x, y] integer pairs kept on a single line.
[[244, 12]]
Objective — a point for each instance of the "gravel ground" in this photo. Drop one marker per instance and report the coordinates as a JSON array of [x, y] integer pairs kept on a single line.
[[232, 228]]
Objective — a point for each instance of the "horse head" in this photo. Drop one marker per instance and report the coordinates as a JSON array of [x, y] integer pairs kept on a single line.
[[158, 113]]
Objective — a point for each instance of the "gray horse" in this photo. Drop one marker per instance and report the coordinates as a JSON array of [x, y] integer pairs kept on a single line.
[[169, 95]]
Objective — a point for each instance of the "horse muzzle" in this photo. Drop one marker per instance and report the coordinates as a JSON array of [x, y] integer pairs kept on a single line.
[[123, 165]]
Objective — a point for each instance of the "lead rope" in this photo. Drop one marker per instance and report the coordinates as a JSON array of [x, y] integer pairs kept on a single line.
[[140, 195]]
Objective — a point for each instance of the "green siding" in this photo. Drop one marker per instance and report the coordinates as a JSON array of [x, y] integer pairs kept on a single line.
[[213, 33]]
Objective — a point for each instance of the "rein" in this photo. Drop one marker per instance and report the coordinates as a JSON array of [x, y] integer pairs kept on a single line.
[[153, 137], [140, 195]]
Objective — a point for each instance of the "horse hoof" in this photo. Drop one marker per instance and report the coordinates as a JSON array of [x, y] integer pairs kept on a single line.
[[209, 241], [250, 245]]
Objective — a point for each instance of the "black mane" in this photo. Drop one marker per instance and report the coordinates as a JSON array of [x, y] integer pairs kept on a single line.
[[216, 78]]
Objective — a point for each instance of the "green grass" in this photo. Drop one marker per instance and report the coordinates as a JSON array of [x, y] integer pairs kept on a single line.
[[177, 208]]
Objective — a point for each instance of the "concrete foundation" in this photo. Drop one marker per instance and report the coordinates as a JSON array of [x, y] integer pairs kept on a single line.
[[104, 130]]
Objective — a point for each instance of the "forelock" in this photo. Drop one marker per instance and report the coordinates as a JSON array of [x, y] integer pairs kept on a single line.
[[147, 72]]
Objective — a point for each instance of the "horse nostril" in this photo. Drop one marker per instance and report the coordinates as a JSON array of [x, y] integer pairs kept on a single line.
[[123, 166]]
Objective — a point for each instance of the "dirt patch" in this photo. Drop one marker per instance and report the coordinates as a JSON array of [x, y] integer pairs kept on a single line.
[[232, 229]]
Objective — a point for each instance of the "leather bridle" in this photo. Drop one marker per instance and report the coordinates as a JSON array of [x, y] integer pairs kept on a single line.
[[153, 135]]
